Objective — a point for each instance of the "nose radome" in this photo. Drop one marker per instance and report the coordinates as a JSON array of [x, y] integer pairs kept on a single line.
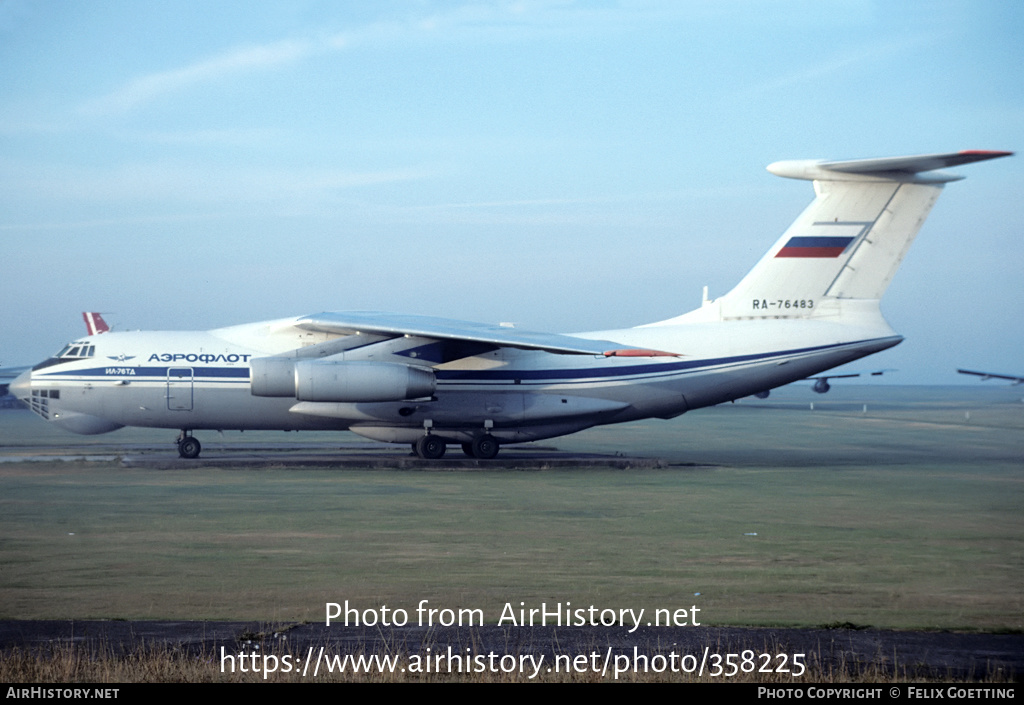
[[21, 387]]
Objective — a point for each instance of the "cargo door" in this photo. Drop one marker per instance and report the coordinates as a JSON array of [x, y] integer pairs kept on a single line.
[[179, 388]]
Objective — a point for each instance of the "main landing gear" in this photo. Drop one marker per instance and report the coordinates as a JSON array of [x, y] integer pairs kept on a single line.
[[483, 447], [188, 445], [431, 447]]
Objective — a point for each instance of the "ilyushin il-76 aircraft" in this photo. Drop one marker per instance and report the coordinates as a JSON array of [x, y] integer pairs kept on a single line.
[[810, 304]]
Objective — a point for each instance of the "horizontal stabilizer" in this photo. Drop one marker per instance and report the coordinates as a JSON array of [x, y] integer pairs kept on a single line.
[[890, 168]]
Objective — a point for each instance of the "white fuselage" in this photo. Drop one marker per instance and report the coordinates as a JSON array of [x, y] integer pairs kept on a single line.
[[201, 380]]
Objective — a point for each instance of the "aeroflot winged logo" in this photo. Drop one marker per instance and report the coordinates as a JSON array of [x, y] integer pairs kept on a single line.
[[824, 247]]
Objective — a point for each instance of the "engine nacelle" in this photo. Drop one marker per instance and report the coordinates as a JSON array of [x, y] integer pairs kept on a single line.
[[272, 376], [320, 380], [339, 381], [821, 385]]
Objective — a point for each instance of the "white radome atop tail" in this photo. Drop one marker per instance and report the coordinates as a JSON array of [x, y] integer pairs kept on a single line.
[[811, 304]]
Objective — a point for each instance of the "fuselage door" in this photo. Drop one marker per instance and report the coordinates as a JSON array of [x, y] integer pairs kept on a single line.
[[179, 388]]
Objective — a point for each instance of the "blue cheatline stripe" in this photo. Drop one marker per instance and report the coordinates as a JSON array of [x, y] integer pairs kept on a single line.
[[152, 372], [582, 373]]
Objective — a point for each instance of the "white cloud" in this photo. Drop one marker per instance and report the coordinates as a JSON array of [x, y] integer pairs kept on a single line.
[[838, 64], [472, 21], [180, 185], [146, 88]]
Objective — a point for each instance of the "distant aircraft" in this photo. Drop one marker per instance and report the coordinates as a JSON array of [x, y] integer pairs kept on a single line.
[[810, 304], [990, 375], [821, 385], [94, 323], [8, 375]]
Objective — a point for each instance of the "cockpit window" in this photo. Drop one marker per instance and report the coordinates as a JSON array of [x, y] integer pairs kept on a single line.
[[70, 353], [76, 351]]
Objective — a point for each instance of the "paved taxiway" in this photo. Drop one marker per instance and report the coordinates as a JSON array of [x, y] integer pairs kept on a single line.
[[335, 455]]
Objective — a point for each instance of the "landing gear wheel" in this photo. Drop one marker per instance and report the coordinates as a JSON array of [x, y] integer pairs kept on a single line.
[[189, 447], [467, 448], [430, 447], [485, 447]]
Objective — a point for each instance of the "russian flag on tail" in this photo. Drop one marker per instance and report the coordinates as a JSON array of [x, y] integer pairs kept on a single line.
[[826, 247]]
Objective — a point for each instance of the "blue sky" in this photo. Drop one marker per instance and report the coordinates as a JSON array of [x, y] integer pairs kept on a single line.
[[564, 165]]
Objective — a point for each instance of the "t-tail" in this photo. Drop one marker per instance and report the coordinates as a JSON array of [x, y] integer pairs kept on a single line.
[[839, 256]]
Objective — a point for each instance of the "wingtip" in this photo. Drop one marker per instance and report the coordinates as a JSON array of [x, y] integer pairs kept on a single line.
[[985, 153]]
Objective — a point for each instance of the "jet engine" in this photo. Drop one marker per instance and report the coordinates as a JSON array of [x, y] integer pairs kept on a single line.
[[821, 385], [339, 381]]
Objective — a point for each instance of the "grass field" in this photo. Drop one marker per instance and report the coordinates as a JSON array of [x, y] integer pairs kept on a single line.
[[906, 514]]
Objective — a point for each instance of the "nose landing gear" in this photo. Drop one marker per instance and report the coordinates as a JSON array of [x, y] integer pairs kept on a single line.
[[188, 446]]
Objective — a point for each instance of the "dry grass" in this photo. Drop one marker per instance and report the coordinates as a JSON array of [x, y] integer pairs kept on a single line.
[[903, 547], [102, 664]]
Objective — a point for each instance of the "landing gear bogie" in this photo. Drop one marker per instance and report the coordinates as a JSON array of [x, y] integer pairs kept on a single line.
[[430, 447], [484, 447]]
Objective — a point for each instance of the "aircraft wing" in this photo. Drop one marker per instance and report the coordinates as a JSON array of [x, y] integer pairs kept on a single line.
[[990, 375], [374, 323], [877, 373]]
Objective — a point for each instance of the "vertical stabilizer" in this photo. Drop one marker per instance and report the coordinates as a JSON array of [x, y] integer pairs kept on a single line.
[[94, 323], [850, 241]]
